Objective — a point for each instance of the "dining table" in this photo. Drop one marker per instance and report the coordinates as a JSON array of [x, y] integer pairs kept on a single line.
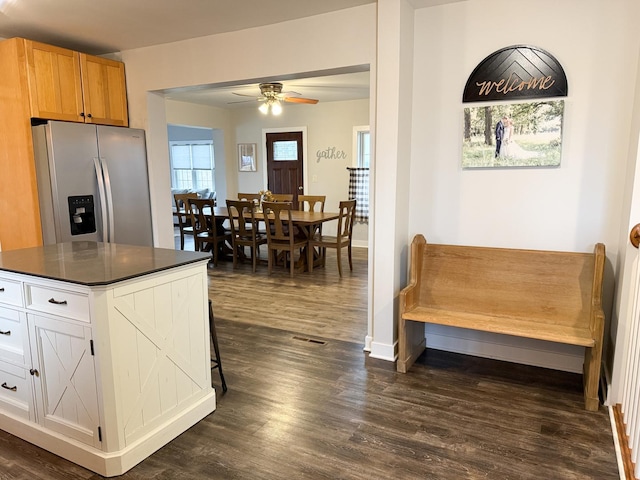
[[308, 223]]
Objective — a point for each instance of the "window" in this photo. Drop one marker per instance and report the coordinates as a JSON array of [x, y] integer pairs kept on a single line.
[[361, 146], [359, 173], [192, 165]]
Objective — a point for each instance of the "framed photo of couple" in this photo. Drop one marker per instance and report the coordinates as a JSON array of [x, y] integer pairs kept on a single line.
[[513, 135]]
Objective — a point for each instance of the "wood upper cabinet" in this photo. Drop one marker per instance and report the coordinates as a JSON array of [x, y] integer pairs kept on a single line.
[[76, 87], [104, 91]]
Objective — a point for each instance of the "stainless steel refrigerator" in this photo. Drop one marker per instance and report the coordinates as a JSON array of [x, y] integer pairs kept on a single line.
[[92, 183]]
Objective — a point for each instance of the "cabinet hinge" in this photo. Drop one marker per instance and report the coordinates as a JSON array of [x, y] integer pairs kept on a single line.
[[91, 345], [99, 433]]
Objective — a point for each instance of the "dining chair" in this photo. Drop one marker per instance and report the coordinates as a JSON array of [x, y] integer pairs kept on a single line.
[[281, 234], [343, 237], [183, 212], [207, 227], [244, 230], [310, 202]]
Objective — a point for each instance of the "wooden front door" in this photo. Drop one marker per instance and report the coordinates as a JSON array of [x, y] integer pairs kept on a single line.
[[284, 163]]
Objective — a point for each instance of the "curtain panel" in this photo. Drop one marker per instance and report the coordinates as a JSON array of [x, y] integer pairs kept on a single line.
[[359, 191]]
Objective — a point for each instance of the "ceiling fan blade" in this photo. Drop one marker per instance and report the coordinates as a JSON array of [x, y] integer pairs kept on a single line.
[[246, 101], [243, 95], [311, 101]]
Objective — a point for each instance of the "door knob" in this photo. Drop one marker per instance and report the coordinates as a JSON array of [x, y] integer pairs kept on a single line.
[[634, 236], [300, 188]]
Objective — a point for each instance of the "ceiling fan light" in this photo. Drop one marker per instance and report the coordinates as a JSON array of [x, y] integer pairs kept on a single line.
[[276, 108], [264, 108]]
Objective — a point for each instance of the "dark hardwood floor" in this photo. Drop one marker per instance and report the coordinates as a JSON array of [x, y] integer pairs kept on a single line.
[[320, 409]]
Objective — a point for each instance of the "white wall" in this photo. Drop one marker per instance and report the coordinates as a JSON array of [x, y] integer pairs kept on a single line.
[[567, 208], [328, 125]]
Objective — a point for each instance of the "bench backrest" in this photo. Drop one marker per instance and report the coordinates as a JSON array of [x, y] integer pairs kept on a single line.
[[554, 287]]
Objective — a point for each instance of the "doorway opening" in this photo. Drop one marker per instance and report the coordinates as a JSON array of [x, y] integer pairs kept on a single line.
[[193, 170]]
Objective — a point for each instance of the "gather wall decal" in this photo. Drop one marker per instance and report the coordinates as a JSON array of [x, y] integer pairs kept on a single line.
[[330, 153]]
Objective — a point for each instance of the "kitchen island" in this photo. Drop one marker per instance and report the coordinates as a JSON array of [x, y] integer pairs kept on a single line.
[[104, 349]]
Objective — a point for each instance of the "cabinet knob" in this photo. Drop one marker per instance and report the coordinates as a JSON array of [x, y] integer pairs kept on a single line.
[[35, 372], [82, 114], [89, 115]]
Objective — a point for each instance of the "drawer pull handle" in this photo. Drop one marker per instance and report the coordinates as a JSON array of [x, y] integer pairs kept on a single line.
[[7, 333], [13, 389], [1, 289], [56, 302]]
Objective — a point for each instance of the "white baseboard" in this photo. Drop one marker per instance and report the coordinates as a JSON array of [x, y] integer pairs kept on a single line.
[[539, 353], [367, 343], [384, 351]]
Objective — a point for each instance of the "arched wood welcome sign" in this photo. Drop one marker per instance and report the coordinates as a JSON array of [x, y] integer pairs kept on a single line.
[[516, 72]]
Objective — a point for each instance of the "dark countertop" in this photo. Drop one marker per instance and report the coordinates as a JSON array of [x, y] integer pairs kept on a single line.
[[94, 263]]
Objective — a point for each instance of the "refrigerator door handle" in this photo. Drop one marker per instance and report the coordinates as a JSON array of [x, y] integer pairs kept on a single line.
[[107, 185], [103, 198]]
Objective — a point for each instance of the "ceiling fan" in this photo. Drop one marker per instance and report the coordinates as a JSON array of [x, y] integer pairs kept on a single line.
[[272, 95]]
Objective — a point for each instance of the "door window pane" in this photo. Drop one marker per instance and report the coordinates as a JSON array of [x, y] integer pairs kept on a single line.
[[287, 150]]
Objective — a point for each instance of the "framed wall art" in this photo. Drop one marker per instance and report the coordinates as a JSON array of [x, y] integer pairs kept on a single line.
[[247, 157], [513, 135]]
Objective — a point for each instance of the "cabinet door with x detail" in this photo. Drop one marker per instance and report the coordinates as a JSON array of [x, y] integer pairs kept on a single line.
[[64, 378]]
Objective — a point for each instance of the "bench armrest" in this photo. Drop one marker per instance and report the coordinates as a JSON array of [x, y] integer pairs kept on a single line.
[[597, 313], [410, 295]]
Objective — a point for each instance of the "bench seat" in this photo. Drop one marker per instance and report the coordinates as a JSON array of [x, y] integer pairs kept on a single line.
[[519, 327]]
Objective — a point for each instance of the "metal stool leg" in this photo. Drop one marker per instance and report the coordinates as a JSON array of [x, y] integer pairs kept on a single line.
[[215, 362]]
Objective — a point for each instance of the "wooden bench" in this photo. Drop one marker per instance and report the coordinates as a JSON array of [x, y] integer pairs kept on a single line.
[[553, 296]]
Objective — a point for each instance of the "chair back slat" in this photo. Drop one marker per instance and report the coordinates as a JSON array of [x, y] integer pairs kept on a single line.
[[183, 208], [242, 218], [282, 197], [198, 208], [312, 201], [346, 219], [277, 217], [249, 196]]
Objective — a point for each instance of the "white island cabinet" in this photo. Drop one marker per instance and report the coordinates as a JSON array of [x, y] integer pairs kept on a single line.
[[104, 350]]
